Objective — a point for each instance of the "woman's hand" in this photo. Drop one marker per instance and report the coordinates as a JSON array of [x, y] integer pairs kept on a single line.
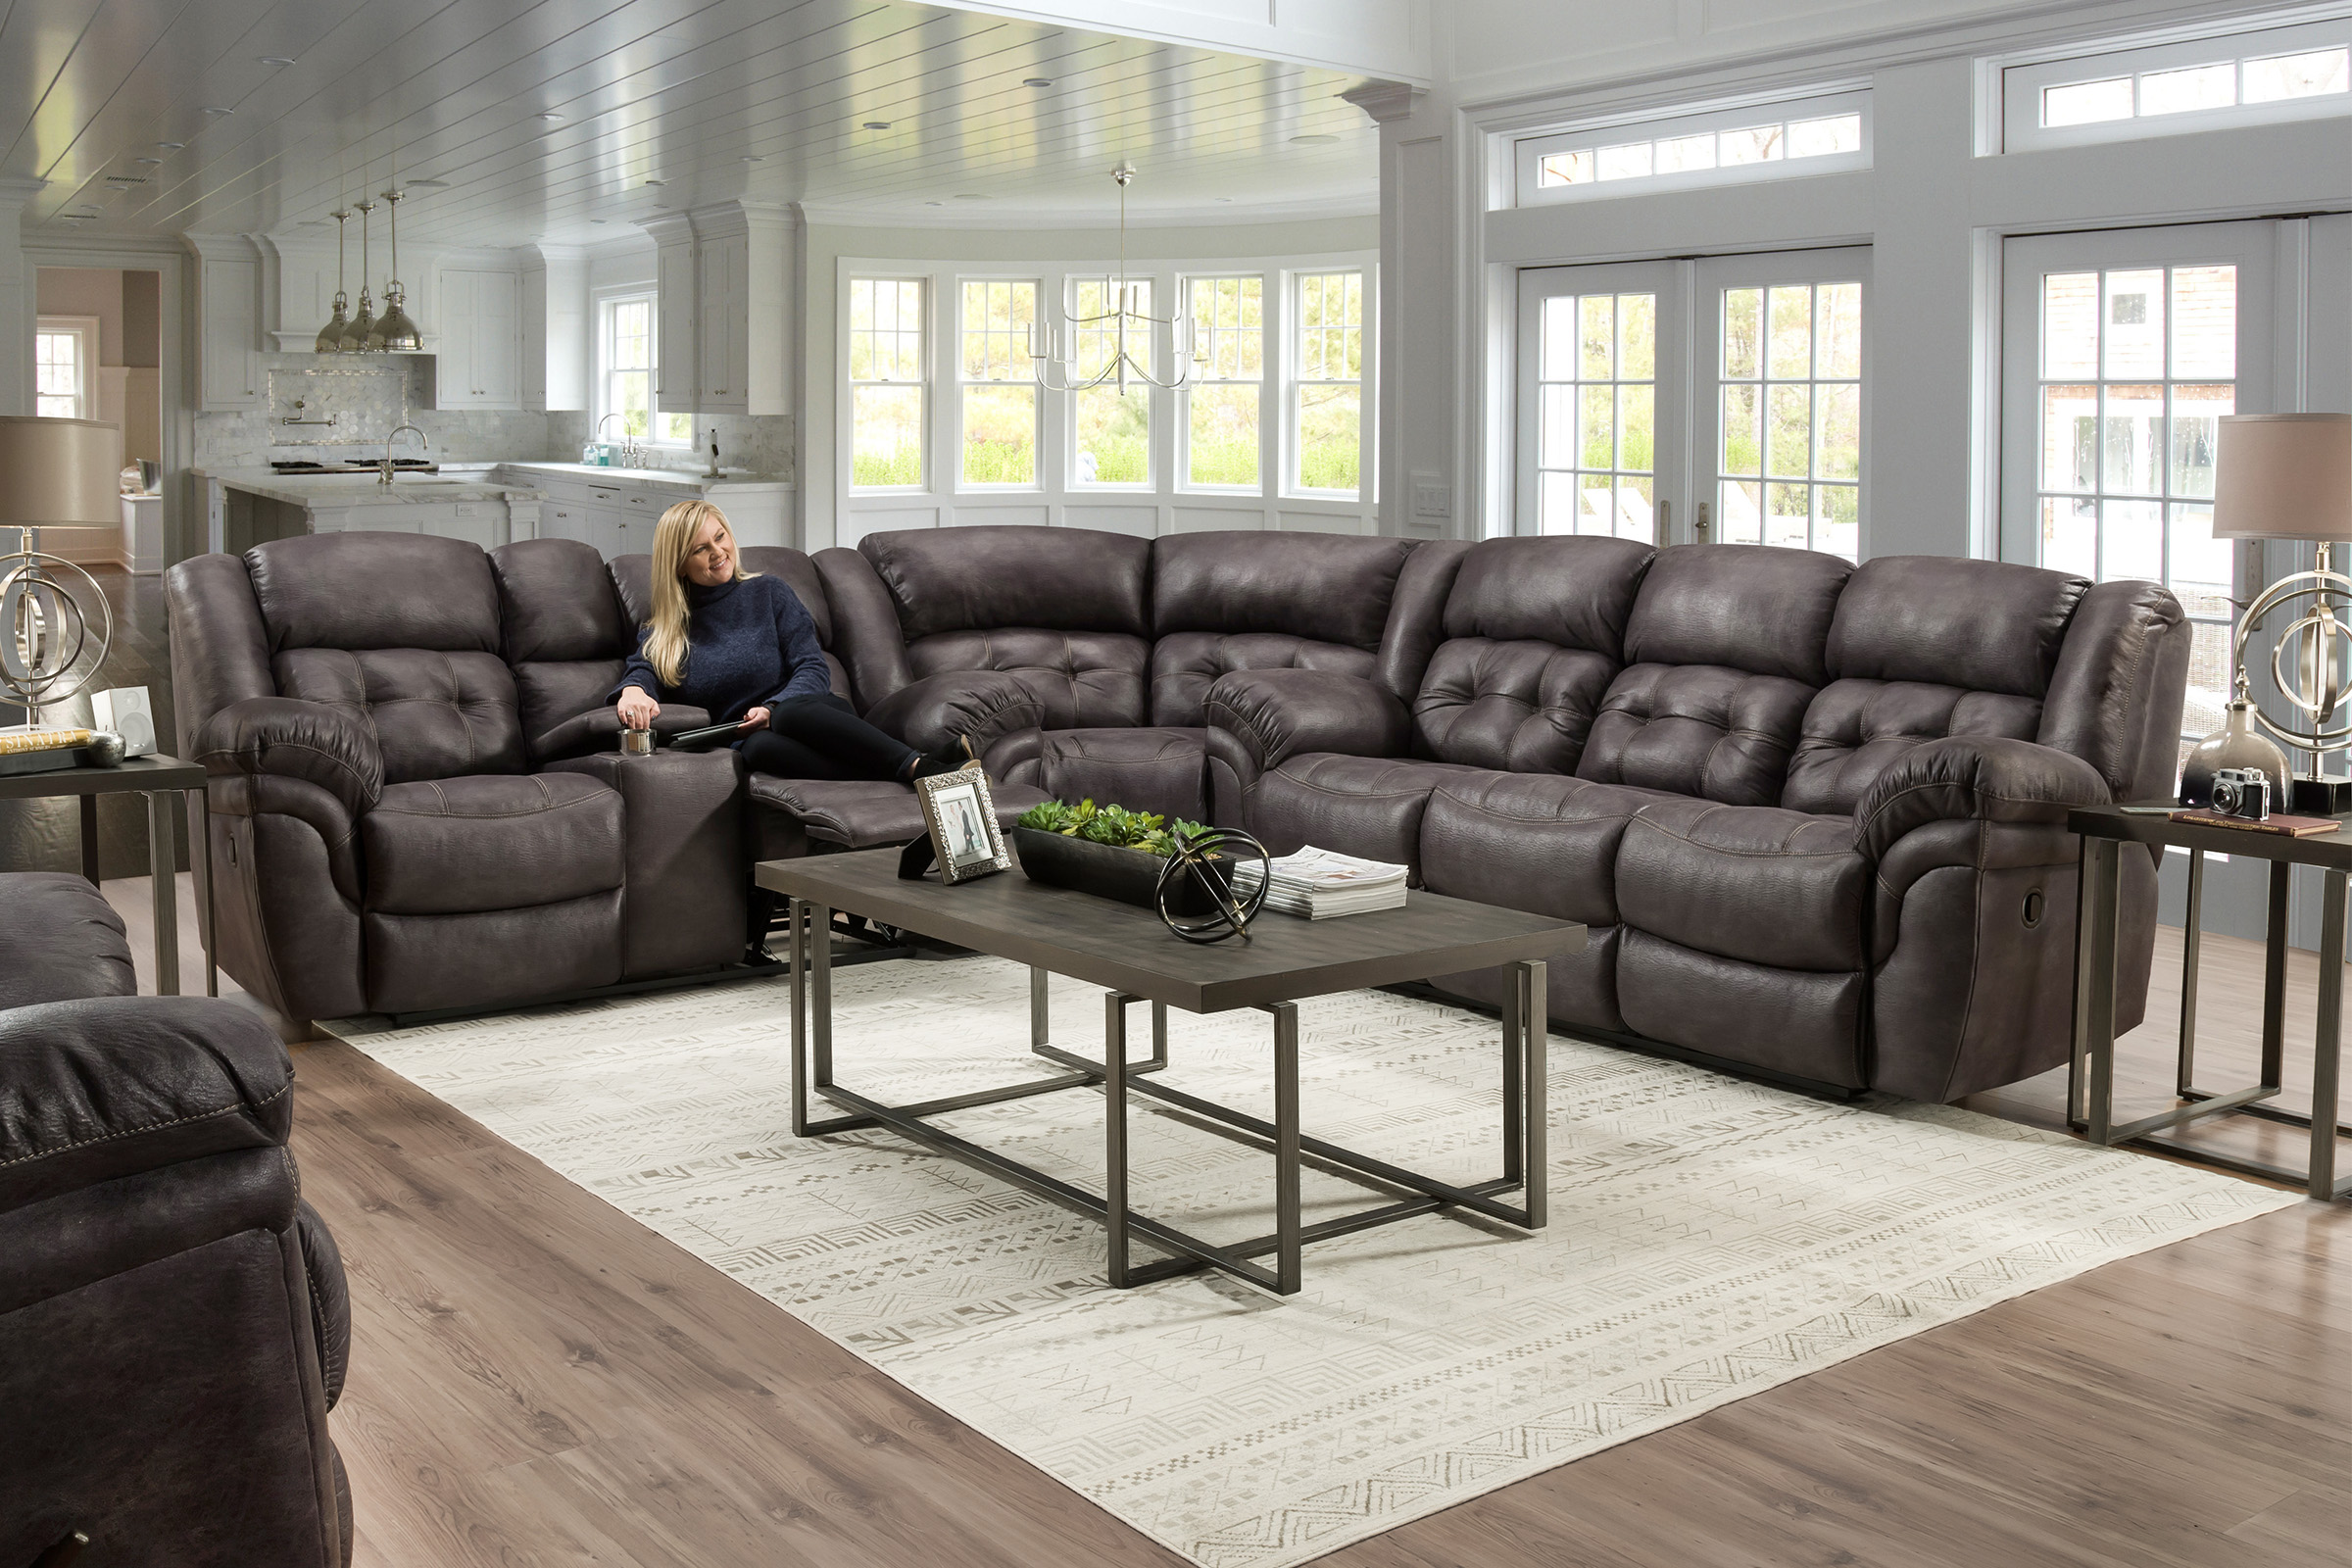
[[757, 718], [637, 709]]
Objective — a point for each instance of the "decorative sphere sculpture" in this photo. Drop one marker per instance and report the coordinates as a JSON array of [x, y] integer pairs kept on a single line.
[[1207, 861], [45, 630], [105, 748]]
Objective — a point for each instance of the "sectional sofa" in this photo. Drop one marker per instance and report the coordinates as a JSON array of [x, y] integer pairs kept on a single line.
[[1813, 814]]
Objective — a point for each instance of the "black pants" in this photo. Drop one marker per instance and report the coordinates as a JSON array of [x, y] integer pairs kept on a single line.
[[823, 737]]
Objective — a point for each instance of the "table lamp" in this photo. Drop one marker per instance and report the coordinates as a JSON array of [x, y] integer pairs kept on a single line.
[[2289, 476], [53, 473]]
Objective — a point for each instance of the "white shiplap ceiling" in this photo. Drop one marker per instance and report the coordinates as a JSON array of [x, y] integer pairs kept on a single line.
[[545, 117]]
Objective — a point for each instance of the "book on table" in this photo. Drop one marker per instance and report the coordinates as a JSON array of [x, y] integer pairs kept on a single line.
[[2283, 826], [1320, 884]]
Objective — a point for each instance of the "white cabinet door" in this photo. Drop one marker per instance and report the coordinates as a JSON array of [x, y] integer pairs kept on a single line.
[[674, 329], [498, 340], [724, 300], [453, 352], [227, 359]]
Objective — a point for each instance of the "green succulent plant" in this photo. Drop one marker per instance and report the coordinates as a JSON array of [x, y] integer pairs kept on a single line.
[[1114, 825]]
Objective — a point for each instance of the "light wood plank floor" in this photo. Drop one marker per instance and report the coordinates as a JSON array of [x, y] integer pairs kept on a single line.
[[538, 1380]]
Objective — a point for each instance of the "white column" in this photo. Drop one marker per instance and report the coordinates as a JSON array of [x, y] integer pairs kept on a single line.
[[19, 304]]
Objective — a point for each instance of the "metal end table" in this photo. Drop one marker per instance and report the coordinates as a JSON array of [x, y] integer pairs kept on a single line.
[[2104, 831]]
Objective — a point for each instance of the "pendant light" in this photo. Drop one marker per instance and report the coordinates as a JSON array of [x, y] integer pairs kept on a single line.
[[395, 333], [354, 337], [330, 336]]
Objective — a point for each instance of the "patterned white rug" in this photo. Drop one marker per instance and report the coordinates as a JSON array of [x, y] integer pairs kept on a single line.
[[1709, 1238]]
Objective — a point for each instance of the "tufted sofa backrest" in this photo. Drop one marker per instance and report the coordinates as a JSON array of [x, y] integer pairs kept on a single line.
[[1925, 647], [401, 630], [1223, 601], [564, 635], [1066, 612], [1532, 632], [1724, 650]]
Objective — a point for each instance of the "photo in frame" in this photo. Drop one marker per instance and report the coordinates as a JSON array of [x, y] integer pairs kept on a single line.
[[963, 819]]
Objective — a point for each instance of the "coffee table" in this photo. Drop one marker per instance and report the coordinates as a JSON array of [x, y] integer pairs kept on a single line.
[[1128, 951]]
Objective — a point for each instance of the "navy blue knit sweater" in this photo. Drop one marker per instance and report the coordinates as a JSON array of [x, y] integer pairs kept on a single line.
[[750, 644]]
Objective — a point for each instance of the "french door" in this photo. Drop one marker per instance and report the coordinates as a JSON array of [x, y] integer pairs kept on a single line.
[[1712, 399]]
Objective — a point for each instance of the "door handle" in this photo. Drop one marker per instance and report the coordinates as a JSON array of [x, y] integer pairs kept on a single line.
[[1665, 523], [1703, 518]]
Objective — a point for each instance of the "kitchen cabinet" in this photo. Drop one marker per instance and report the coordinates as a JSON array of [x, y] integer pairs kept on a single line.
[[723, 302], [478, 357], [228, 281]]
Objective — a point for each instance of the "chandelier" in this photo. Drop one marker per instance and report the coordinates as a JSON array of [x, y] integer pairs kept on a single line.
[[1055, 347]]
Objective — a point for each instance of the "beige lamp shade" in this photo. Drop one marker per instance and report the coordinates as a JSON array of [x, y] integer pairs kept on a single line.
[[2283, 476], [59, 474]]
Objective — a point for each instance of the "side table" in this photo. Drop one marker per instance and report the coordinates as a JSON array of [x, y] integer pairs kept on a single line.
[[159, 778], [2105, 831]]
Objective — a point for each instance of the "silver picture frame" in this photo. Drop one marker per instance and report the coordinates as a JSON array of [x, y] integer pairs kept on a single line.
[[962, 820]]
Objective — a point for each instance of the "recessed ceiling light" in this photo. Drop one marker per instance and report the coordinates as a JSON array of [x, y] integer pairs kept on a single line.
[[1225, 201], [935, 204], [657, 182], [877, 124], [596, 220], [75, 218], [1316, 140], [550, 116], [429, 184], [146, 160], [170, 146], [218, 110], [274, 60], [968, 196], [754, 158], [1036, 82]]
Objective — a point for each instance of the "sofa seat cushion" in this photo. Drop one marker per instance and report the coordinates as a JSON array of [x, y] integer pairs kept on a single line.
[[58, 941], [1367, 806], [460, 845], [865, 813], [1159, 768], [1530, 841], [1755, 883]]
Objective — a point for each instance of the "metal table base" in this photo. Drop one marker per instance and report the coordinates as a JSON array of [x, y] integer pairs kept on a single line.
[[1525, 1155], [2090, 1079]]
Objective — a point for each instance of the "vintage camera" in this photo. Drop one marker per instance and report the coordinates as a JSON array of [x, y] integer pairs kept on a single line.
[[2242, 792]]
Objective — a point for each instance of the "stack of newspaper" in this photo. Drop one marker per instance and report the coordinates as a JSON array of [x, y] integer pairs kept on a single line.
[[1321, 883]]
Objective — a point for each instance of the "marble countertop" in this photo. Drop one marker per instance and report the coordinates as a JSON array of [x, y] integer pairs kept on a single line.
[[411, 489], [682, 478]]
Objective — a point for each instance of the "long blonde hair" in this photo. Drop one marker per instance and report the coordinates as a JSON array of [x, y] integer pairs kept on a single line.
[[673, 537]]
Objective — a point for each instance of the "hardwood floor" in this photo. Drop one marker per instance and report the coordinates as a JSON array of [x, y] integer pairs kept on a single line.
[[538, 1380]]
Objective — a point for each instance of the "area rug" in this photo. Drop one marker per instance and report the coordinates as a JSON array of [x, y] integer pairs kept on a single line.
[[1709, 1238]]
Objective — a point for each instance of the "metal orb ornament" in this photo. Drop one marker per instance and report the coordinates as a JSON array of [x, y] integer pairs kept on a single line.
[[2310, 659], [1205, 860], [45, 630], [105, 748]]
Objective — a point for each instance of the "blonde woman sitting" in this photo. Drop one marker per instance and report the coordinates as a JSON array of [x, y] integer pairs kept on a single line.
[[743, 648]]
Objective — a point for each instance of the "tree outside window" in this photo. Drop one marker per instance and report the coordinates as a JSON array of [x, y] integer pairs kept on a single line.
[[887, 383], [1221, 405], [1328, 407]]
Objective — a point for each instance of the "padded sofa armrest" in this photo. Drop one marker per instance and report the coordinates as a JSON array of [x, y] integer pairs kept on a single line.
[[933, 714], [106, 1087], [1279, 713], [1983, 779], [294, 739]]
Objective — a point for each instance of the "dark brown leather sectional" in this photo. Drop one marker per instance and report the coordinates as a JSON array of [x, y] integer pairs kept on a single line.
[[1813, 812], [173, 1327]]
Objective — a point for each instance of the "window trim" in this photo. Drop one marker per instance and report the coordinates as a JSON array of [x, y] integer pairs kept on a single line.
[[2021, 81], [601, 383], [1529, 152], [84, 330]]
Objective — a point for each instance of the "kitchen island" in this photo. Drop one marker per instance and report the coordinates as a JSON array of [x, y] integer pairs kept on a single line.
[[489, 504], [247, 506]]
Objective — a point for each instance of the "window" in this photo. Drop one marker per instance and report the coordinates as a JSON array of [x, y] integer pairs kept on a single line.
[[1327, 407], [1767, 141], [2242, 78], [60, 368], [629, 352], [1597, 385], [2122, 351], [1712, 400], [888, 380], [1221, 435], [1789, 391], [999, 395], [1112, 443]]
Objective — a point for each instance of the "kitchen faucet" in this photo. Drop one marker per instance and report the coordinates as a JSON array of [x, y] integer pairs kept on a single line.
[[384, 468], [632, 456]]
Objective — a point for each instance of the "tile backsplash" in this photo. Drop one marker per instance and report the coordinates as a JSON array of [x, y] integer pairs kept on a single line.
[[368, 400]]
